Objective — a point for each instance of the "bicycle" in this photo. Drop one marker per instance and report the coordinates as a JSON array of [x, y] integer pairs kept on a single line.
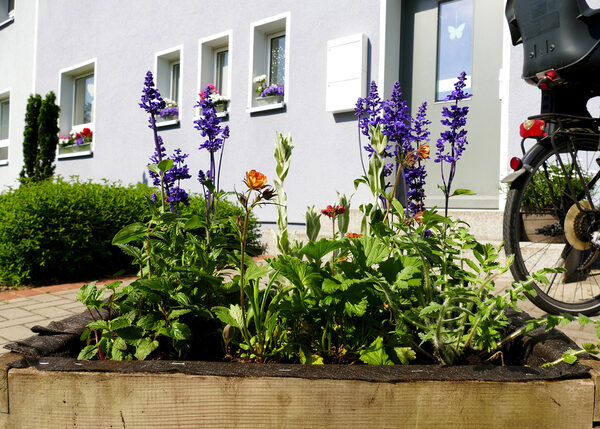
[[552, 213]]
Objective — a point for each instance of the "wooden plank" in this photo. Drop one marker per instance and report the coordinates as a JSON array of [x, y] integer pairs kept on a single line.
[[46, 399], [595, 372], [5, 360]]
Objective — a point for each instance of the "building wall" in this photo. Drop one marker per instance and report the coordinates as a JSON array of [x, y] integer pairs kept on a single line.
[[17, 50], [123, 37]]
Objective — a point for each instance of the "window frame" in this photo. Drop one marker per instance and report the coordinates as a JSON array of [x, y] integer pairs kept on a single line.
[[269, 53], [10, 13], [261, 34], [79, 127], [216, 52], [175, 95], [208, 48], [163, 64], [5, 143], [67, 79]]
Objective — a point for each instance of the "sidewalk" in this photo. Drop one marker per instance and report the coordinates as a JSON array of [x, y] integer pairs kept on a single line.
[[22, 309]]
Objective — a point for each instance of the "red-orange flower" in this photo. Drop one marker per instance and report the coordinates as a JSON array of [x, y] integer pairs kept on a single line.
[[255, 180], [333, 211], [353, 235]]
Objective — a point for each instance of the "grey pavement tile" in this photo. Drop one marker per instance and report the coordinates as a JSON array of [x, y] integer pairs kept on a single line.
[[46, 297], [15, 333], [68, 294], [22, 321], [15, 313], [13, 301], [52, 312], [50, 304], [17, 304]]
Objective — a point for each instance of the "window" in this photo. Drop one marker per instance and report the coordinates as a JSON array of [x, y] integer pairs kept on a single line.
[[214, 58], [277, 60], [77, 99], [83, 105], [269, 63], [454, 48], [7, 11], [221, 71], [4, 127], [168, 83]]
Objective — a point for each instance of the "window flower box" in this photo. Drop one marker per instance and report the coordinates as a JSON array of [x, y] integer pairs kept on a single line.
[[77, 142]]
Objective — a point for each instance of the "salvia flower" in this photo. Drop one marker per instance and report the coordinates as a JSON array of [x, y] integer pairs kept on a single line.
[[453, 141], [209, 124], [333, 211], [151, 100]]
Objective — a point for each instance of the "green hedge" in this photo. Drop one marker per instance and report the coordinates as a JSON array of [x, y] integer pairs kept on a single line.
[[54, 232]]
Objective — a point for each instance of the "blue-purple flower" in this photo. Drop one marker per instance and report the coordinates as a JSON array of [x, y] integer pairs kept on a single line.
[[151, 101], [272, 90], [452, 142]]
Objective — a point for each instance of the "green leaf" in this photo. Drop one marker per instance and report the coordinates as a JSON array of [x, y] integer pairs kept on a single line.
[[119, 322], [462, 192], [405, 354], [88, 352], [179, 312], [569, 357], [131, 232], [356, 308], [316, 250], [375, 354], [144, 348], [130, 333], [163, 166], [230, 316], [179, 331], [432, 308], [255, 271], [309, 359], [375, 250], [193, 222], [98, 325]]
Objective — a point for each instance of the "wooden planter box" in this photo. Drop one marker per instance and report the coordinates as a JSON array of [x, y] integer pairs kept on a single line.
[[58, 392]]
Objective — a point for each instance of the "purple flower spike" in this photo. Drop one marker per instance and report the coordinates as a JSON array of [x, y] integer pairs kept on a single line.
[[151, 100]]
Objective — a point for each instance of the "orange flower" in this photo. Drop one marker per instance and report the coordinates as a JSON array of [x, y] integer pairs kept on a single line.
[[353, 235], [423, 151], [255, 180], [418, 217]]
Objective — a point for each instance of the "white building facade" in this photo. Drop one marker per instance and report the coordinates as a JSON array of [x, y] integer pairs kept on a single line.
[[94, 56]]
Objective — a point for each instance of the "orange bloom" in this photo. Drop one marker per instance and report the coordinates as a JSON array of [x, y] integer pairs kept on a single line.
[[255, 180], [353, 235], [333, 211], [411, 159], [418, 217], [423, 151]]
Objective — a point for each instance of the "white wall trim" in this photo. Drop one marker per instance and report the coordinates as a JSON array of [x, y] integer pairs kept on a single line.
[[35, 44], [382, 39], [504, 95], [207, 41]]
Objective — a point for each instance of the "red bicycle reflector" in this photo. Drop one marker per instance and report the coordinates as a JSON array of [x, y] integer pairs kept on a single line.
[[516, 163], [533, 128]]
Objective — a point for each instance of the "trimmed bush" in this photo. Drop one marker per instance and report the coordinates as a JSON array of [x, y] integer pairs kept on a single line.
[[61, 231]]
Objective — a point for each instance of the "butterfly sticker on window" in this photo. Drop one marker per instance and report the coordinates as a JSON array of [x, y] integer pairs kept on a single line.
[[456, 32]]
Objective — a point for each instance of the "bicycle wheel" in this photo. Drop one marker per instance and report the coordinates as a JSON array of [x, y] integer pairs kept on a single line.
[[550, 215]]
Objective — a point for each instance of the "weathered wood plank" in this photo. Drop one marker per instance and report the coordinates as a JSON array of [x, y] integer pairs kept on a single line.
[[595, 372], [5, 360], [44, 399]]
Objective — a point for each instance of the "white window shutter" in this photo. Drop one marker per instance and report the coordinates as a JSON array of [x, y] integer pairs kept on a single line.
[[346, 72]]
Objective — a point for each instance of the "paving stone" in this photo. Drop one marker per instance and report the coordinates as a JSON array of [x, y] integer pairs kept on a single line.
[[13, 301], [36, 304], [47, 297], [67, 293], [21, 321], [52, 312], [15, 313], [18, 304], [15, 333]]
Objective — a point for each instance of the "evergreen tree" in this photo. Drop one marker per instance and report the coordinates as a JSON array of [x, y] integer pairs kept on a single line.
[[40, 137], [30, 136], [47, 137]]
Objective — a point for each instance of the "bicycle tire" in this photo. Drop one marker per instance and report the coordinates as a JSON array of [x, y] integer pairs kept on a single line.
[[536, 246]]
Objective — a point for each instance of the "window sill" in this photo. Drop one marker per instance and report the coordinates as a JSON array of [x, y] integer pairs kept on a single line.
[[274, 106], [169, 123], [223, 114], [7, 22], [3, 162], [75, 155]]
